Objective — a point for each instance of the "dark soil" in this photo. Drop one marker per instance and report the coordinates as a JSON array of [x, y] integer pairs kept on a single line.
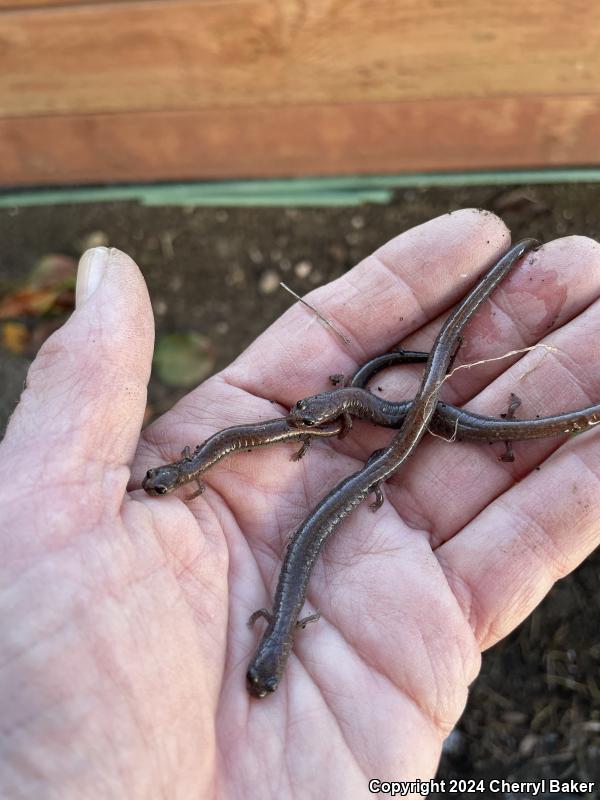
[[534, 712]]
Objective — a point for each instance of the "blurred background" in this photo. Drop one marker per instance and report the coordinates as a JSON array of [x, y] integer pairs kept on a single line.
[[231, 144]]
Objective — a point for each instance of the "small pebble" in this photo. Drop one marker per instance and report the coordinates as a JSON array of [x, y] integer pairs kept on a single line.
[[527, 745], [94, 239], [255, 255], [303, 269], [235, 277], [269, 282]]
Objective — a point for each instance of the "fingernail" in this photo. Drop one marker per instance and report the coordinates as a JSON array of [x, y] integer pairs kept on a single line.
[[92, 266]]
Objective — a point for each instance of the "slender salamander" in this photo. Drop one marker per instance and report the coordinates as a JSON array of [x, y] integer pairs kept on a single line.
[[164, 479], [447, 421], [267, 665]]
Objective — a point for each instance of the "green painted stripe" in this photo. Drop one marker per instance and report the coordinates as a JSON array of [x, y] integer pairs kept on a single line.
[[350, 198], [336, 191]]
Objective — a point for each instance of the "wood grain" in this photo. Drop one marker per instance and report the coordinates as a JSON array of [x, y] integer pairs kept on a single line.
[[34, 5], [182, 55], [27, 5], [309, 140], [142, 90]]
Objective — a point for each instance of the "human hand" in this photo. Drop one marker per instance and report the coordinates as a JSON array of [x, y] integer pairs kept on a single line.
[[124, 637]]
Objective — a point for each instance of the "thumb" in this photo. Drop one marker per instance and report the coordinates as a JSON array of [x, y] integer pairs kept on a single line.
[[82, 410]]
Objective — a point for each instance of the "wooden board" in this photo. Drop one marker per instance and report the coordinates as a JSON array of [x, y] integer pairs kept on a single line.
[[311, 140], [161, 89], [180, 55], [26, 5]]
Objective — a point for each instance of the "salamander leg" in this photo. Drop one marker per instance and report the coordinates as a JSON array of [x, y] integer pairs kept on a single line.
[[515, 402], [508, 455], [302, 452], [198, 492], [338, 379], [302, 623], [186, 453], [378, 502], [346, 425], [262, 612], [375, 454]]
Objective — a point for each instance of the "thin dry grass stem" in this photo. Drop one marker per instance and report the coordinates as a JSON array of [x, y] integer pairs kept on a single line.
[[548, 347], [528, 372], [317, 312], [443, 438]]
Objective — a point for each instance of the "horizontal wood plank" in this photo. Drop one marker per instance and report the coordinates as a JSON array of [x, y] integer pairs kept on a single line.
[[292, 141], [180, 55], [142, 90], [28, 5], [34, 5]]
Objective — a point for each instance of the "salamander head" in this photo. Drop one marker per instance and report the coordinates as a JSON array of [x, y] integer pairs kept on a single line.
[[258, 685], [311, 411], [264, 673], [162, 480]]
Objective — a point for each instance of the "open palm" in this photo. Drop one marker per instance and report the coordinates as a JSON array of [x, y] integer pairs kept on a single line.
[[128, 670]]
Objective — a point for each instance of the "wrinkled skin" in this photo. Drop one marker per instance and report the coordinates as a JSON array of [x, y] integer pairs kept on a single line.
[[123, 635]]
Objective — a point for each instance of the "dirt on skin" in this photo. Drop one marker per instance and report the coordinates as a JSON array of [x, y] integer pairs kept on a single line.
[[534, 711]]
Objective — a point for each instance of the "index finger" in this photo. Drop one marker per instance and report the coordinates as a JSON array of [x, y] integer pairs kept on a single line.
[[392, 293]]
